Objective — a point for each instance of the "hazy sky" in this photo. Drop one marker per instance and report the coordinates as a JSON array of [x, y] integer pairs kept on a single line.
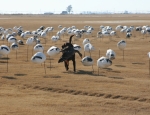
[[78, 5]]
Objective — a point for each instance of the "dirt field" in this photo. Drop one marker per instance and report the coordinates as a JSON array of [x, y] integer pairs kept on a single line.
[[121, 89]]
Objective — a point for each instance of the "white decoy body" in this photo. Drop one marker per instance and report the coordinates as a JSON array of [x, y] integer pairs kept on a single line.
[[54, 38], [112, 33], [39, 58], [87, 61], [110, 54], [38, 48], [88, 32], [105, 33], [14, 34], [14, 46], [3, 37], [12, 39], [77, 47], [73, 27], [86, 27], [69, 32], [88, 47], [123, 30], [101, 27], [85, 41], [99, 34], [143, 32], [128, 35], [58, 33], [148, 55], [20, 42], [30, 41], [8, 36], [59, 26], [119, 27], [103, 62], [121, 44], [138, 28], [43, 34], [23, 35], [148, 29], [15, 28], [52, 51], [4, 50]]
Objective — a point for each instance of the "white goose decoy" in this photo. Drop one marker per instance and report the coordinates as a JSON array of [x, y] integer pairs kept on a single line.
[[85, 41], [86, 27], [112, 33], [14, 46], [121, 44], [59, 26], [28, 33], [38, 48], [52, 51], [125, 27], [3, 37], [101, 27], [88, 32], [58, 33], [110, 54], [119, 27], [4, 50], [128, 35], [103, 62], [105, 33], [50, 29], [23, 35], [62, 32], [20, 28], [69, 32], [39, 58], [76, 47], [148, 29], [139, 28], [14, 34], [8, 36], [15, 28], [30, 41], [12, 39], [73, 27], [20, 42], [58, 37], [148, 55], [5, 32], [99, 34], [88, 47], [87, 61], [54, 38], [123, 30], [43, 34], [143, 32]]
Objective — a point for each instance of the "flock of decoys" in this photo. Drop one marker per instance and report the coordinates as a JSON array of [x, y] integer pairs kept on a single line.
[[34, 37]]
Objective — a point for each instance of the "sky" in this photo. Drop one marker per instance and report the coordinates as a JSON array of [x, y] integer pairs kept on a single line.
[[56, 6]]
